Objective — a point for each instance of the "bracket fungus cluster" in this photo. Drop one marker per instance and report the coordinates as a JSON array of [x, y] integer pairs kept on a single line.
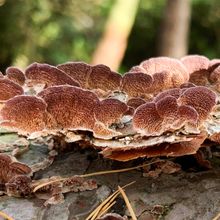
[[14, 176], [162, 107], [203, 71], [15, 180]]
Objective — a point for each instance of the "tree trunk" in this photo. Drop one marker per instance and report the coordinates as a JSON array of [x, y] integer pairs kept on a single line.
[[111, 48], [173, 40]]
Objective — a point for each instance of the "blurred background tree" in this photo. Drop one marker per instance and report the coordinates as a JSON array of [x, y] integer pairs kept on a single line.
[[173, 36], [112, 45], [61, 30]]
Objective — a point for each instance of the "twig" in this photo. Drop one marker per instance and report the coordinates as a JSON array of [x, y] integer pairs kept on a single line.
[[133, 216]]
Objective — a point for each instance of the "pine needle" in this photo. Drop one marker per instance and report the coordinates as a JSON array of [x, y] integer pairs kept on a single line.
[[105, 209], [108, 200], [96, 174], [107, 206], [5, 216], [97, 211], [130, 209], [48, 183], [119, 170], [217, 217]]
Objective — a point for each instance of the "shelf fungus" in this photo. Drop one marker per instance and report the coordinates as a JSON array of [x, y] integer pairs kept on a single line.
[[203, 71], [162, 107], [153, 76], [40, 76], [14, 176], [15, 180], [16, 75], [9, 89], [99, 78]]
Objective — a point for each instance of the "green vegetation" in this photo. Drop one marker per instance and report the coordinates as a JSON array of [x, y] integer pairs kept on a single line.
[[61, 30]]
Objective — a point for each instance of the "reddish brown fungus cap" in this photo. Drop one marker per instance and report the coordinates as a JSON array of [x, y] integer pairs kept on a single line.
[[173, 109], [25, 114], [137, 84], [195, 63], [15, 75], [153, 76], [176, 92], [147, 120], [9, 168], [135, 102], [48, 75], [71, 107], [165, 64], [186, 112], [200, 98], [187, 85], [213, 64], [79, 71], [198, 68], [9, 89], [167, 107], [110, 111], [215, 75], [103, 78]]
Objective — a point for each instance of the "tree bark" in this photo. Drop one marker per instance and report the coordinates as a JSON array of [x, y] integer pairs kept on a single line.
[[111, 48], [173, 40]]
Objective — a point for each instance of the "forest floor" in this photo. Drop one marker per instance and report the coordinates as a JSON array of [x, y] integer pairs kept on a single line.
[[191, 194]]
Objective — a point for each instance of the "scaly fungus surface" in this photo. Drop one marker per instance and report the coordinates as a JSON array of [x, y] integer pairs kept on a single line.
[[162, 107]]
